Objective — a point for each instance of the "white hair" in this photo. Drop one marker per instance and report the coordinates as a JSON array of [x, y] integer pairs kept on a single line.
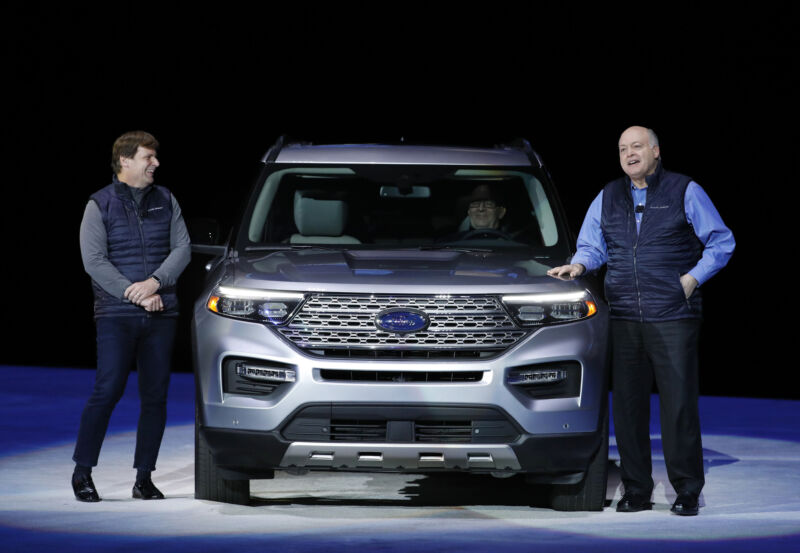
[[652, 137]]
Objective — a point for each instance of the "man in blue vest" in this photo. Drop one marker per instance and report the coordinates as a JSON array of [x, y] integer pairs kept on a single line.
[[661, 238], [134, 245]]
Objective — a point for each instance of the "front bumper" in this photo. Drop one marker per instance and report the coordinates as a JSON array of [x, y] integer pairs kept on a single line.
[[251, 454], [555, 437]]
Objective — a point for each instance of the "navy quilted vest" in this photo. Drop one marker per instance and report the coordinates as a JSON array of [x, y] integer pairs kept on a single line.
[[642, 281], [138, 242]]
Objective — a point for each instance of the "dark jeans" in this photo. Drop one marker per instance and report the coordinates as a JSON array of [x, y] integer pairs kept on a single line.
[[147, 342], [666, 352]]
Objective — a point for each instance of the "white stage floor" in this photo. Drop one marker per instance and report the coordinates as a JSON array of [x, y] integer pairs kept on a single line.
[[751, 501]]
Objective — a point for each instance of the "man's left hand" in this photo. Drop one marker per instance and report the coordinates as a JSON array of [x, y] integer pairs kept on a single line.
[[138, 291], [689, 283], [153, 303]]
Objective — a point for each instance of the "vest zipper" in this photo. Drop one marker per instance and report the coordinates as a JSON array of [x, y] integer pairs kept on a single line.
[[141, 238], [635, 264]]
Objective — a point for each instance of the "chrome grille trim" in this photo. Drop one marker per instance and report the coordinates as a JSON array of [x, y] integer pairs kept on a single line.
[[333, 321], [400, 377]]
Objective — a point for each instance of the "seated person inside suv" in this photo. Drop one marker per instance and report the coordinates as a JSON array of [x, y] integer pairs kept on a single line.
[[485, 212], [486, 209]]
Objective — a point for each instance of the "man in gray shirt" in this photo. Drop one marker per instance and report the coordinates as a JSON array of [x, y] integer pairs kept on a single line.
[[134, 246]]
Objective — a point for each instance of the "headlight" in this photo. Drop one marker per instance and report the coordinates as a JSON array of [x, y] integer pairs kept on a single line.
[[544, 309], [263, 306]]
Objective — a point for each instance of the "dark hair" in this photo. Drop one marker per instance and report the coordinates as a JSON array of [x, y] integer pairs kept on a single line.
[[127, 145], [486, 192]]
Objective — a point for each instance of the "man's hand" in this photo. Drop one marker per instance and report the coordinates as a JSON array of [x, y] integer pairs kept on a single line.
[[567, 272], [139, 291], [689, 283], [152, 303]]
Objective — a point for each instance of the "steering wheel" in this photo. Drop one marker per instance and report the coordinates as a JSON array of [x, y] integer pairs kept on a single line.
[[486, 233]]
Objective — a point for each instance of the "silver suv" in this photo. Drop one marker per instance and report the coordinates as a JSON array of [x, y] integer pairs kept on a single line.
[[363, 318]]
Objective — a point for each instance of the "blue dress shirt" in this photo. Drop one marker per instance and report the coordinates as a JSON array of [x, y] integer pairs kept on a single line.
[[701, 214]]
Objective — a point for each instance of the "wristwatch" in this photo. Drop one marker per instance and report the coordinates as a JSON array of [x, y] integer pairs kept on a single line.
[[158, 280]]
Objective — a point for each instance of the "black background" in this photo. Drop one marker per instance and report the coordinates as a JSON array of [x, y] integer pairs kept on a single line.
[[217, 87]]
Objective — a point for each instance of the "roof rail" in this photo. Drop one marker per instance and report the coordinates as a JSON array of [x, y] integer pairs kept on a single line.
[[525, 146], [517, 143], [272, 153]]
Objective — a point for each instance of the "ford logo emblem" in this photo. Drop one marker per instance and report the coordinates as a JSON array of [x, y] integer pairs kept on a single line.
[[400, 320]]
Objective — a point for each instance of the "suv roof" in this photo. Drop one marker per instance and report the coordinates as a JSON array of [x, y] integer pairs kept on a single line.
[[503, 155]]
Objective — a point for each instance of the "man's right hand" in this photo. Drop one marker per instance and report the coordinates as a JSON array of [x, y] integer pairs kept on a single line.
[[138, 292], [152, 303], [567, 272]]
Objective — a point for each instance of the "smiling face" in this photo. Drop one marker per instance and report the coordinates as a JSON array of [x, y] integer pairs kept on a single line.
[[485, 214], [138, 171], [637, 156]]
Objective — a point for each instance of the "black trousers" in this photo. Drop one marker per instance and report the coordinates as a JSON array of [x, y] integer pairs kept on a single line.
[[145, 342], [666, 352]]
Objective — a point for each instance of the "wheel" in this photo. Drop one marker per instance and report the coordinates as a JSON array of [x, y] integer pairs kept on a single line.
[[590, 493], [208, 483]]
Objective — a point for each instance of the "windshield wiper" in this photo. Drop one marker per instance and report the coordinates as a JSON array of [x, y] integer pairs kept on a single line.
[[289, 247], [455, 249]]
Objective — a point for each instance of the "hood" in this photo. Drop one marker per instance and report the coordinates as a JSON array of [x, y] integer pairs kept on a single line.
[[397, 271]]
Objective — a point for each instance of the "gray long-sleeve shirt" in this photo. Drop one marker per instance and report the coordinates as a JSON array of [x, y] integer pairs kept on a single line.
[[94, 249]]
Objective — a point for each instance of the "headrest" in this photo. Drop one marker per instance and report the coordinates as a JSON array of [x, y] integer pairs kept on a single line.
[[319, 217]]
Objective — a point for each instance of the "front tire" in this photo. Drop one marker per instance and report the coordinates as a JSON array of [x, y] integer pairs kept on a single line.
[[208, 482], [590, 493]]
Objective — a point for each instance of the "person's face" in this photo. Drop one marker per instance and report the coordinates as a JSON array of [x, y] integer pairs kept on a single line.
[[137, 171], [636, 156], [485, 214]]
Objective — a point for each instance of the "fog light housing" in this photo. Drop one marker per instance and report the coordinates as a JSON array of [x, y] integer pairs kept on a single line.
[[264, 373], [256, 377], [558, 379], [536, 376]]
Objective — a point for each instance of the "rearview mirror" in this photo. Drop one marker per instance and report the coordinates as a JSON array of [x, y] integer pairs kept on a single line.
[[405, 192]]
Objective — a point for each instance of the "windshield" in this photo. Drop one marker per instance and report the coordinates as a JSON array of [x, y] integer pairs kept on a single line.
[[389, 207]]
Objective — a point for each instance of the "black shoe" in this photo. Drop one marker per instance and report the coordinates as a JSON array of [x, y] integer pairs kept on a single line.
[[633, 503], [146, 490], [686, 505], [84, 488]]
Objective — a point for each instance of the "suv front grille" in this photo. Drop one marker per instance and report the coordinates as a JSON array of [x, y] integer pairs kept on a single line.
[[336, 325]]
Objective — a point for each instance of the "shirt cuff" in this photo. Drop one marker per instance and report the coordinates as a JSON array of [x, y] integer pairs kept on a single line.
[[698, 275], [585, 261]]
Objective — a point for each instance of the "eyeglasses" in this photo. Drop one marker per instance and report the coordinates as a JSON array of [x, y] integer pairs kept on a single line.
[[485, 204]]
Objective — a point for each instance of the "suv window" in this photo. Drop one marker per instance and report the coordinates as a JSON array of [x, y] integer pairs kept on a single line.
[[389, 206]]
